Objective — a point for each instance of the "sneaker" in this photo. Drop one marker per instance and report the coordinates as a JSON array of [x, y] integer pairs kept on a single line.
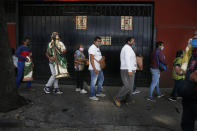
[[30, 89], [130, 102], [77, 89], [83, 91], [150, 99], [172, 99], [101, 95], [160, 96], [117, 102], [136, 92], [57, 91], [47, 90], [94, 98]]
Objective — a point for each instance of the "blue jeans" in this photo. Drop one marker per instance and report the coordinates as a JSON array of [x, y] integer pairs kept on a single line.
[[155, 82], [134, 86], [94, 78], [20, 71]]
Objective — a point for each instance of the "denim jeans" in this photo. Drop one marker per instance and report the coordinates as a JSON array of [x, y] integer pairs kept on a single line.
[[52, 80], [94, 78], [20, 71], [155, 82]]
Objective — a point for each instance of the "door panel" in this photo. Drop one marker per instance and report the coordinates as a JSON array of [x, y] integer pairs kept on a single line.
[[102, 20]]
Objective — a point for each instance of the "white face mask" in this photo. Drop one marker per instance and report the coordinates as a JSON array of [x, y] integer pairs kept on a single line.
[[162, 47], [81, 49]]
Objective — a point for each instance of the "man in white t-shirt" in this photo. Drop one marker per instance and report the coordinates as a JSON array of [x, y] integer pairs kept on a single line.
[[127, 70], [95, 69]]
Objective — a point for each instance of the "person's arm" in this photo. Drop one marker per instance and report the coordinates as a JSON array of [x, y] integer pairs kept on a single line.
[[178, 70], [128, 61], [92, 63], [162, 58], [50, 58]]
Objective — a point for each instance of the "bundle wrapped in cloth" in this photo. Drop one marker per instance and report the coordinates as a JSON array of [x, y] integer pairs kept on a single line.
[[28, 69], [192, 43], [139, 60]]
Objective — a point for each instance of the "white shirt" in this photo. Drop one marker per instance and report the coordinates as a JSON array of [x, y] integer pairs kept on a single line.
[[97, 55], [15, 60], [128, 59]]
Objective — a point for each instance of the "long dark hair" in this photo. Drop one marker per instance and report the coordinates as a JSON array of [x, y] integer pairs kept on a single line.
[[179, 53]]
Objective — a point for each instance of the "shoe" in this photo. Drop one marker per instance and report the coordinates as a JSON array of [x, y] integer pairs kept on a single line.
[[101, 95], [160, 96], [136, 92], [130, 102], [94, 98], [30, 89], [57, 91], [83, 91], [178, 98], [117, 102], [47, 90], [172, 99], [77, 89], [150, 99]]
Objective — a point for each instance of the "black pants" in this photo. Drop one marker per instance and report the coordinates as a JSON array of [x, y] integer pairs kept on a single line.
[[189, 115], [79, 79], [176, 86]]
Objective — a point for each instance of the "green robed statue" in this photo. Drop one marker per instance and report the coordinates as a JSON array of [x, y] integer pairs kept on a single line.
[[56, 50]]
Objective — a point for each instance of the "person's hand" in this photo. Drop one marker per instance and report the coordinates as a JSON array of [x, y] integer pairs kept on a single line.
[[52, 43], [130, 73], [52, 58], [96, 71]]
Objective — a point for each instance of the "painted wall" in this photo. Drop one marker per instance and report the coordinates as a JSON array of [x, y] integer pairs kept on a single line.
[[11, 27], [175, 21]]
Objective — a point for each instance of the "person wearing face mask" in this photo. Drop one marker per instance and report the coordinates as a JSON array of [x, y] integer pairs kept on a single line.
[[127, 70], [177, 74], [96, 72], [79, 65], [24, 55], [157, 55]]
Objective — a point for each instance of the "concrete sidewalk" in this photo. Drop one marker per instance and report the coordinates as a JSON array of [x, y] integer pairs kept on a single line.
[[74, 111]]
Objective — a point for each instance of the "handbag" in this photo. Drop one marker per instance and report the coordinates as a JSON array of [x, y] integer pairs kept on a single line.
[[162, 67]]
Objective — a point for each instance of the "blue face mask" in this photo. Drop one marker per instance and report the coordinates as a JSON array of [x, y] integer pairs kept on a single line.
[[133, 46], [99, 44], [194, 43]]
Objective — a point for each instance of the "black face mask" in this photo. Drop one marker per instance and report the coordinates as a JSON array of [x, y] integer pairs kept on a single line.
[[28, 44]]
